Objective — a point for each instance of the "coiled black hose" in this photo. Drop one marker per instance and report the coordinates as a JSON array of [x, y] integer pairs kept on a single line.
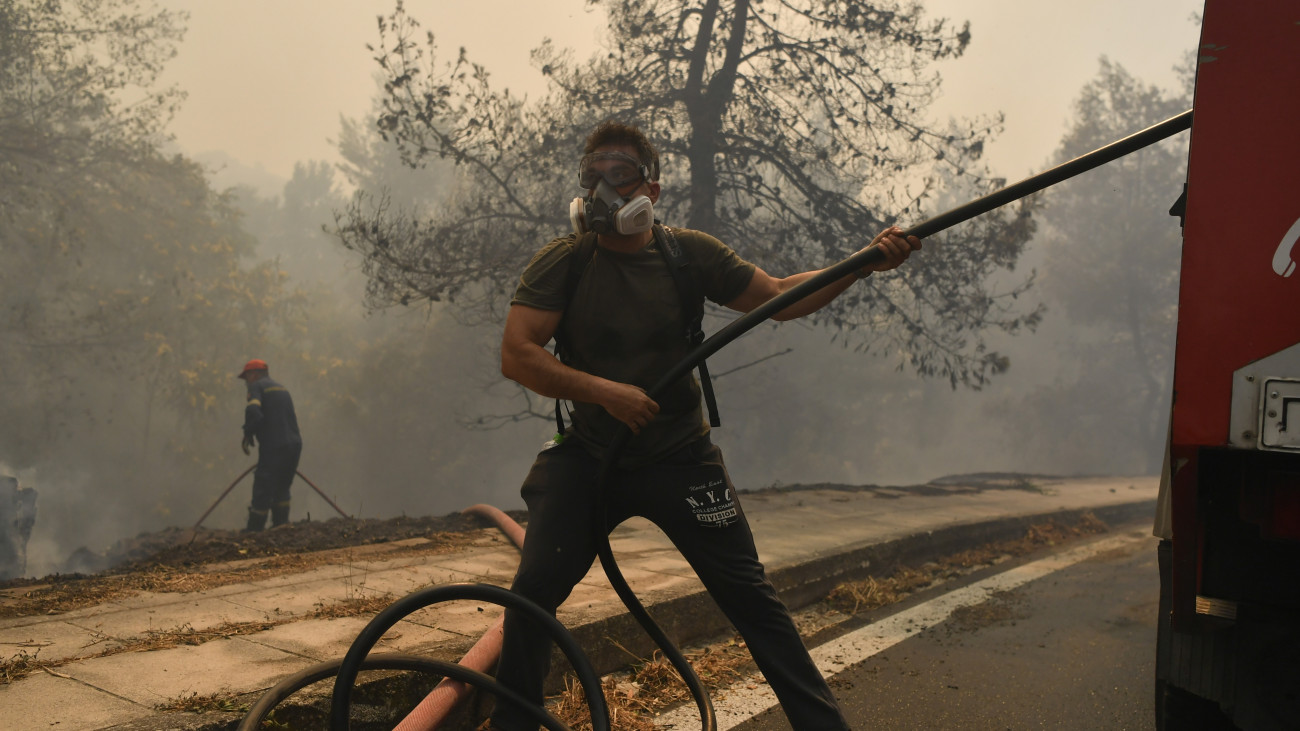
[[411, 603]]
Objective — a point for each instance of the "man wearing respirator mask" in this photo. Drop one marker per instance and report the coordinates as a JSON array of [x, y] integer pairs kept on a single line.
[[605, 210], [608, 296]]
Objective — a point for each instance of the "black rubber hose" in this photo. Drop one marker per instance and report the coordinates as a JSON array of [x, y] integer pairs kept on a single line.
[[703, 702], [277, 694], [759, 314], [375, 629]]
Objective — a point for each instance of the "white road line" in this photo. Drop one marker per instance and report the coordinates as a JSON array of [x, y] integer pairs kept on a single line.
[[751, 696]]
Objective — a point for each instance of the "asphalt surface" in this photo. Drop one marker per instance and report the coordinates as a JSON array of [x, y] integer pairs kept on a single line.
[[810, 540], [1071, 649]]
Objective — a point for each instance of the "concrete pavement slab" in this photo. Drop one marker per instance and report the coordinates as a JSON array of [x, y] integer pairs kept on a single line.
[[42, 702], [396, 581], [493, 566], [415, 637], [327, 639], [154, 678], [198, 615], [55, 640], [93, 610], [434, 575], [298, 599], [462, 618], [155, 599], [664, 561], [340, 570], [642, 542]]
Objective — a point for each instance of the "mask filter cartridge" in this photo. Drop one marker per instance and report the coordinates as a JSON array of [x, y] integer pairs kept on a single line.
[[605, 212]]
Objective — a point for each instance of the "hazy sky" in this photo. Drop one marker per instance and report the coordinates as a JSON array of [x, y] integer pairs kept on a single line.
[[268, 81]]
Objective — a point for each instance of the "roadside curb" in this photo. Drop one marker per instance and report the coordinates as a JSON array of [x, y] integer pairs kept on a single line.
[[694, 617]]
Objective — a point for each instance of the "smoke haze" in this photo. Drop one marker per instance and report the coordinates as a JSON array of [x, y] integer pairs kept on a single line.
[[403, 411]]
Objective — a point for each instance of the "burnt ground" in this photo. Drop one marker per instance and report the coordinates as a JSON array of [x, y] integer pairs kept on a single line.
[[185, 547], [188, 548], [183, 558], [181, 548]]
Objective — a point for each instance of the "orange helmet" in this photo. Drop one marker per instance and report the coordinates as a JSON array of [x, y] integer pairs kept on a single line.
[[255, 364]]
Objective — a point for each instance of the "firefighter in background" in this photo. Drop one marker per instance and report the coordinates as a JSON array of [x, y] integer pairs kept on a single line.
[[271, 424]]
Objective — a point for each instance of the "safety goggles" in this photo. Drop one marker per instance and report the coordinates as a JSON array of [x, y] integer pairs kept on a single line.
[[619, 169]]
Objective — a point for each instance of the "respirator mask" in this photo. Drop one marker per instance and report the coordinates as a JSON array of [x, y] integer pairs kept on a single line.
[[605, 210]]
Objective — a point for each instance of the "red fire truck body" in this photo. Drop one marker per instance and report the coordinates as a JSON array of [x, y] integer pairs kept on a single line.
[[1230, 565]]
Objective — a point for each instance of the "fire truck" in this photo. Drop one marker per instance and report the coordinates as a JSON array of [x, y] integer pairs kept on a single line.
[[1228, 646]]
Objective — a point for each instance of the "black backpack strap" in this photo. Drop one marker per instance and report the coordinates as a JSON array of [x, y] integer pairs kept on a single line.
[[688, 291], [583, 250], [692, 308]]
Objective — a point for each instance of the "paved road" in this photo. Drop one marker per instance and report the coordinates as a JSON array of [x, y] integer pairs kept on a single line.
[[1060, 647]]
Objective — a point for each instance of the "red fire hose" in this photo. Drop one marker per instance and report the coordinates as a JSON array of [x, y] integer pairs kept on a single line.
[[435, 707]]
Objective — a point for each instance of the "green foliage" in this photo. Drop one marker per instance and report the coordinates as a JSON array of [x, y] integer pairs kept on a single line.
[[793, 131], [136, 289], [1120, 269], [77, 80], [127, 297], [1111, 263]]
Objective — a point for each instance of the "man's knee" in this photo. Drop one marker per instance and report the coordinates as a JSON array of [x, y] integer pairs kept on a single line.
[[546, 592]]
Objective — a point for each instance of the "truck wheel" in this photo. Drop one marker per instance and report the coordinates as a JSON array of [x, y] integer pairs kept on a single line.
[[1183, 710], [1178, 710]]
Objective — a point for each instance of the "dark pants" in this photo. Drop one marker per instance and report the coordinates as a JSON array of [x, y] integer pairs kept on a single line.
[[276, 468], [690, 498]]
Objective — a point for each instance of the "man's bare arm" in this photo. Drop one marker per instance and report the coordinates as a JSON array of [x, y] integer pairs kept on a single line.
[[525, 360], [763, 286]]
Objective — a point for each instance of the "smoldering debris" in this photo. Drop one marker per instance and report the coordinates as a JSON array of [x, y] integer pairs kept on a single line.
[[187, 547], [17, 517]]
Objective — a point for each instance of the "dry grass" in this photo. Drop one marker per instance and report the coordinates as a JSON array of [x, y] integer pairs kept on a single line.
[[23, 664], [19, 666], [187, 635], [67, 594], [195, 703], [354, 607], [637, 696], [75, 594], [871, 593], [571, 707]]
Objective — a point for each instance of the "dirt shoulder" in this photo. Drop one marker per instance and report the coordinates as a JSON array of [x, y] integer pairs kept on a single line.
[[183, 560]]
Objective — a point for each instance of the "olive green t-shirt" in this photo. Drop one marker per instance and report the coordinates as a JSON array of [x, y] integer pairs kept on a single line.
[[625, 324]]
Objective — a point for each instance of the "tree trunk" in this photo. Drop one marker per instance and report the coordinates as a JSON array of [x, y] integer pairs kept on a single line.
[[705, 104]]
